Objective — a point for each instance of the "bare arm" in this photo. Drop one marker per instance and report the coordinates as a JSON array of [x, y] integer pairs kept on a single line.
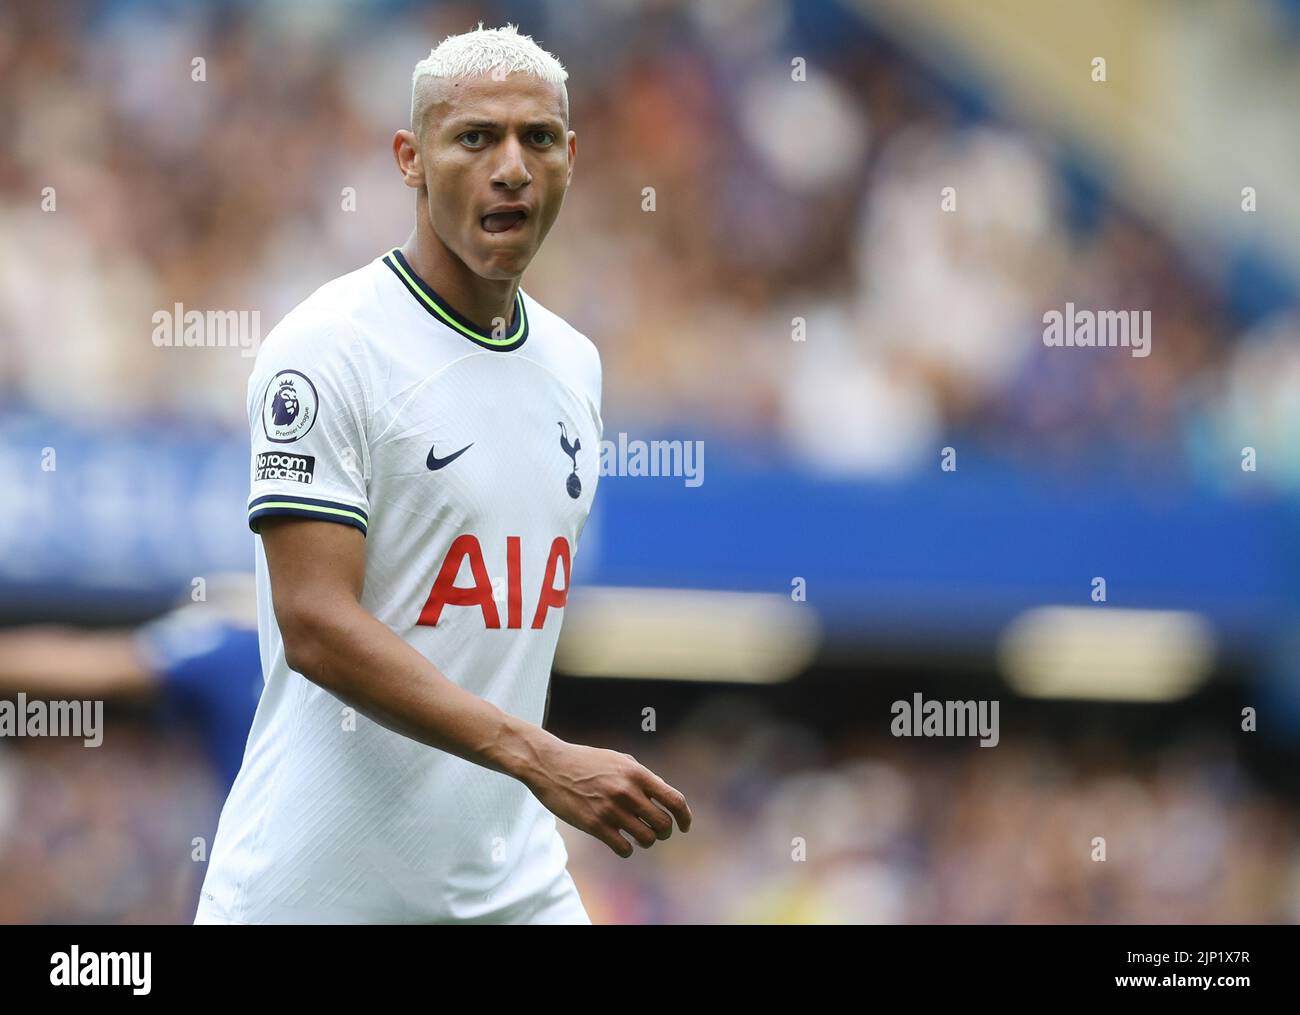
[[67, 662], [317, 571]]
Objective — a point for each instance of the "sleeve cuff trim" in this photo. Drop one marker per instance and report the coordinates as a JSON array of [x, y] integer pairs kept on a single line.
[[305, 507]]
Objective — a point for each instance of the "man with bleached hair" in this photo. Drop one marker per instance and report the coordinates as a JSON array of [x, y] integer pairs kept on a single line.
[[424, 455]]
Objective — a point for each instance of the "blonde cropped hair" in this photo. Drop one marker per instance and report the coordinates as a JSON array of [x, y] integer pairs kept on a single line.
[[483, 51]]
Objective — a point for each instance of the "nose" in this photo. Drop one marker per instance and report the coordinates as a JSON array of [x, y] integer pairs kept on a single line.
[[511, 172]]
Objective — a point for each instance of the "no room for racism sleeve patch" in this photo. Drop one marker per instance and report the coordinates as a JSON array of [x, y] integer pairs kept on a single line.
[[284, 465]]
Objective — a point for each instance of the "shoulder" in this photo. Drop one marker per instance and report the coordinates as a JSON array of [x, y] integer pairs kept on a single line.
[[577, 352], [320, 337], [326, 322]]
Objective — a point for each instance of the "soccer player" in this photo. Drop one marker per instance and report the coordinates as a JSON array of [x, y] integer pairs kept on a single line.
[[197, 664], [425, 439]]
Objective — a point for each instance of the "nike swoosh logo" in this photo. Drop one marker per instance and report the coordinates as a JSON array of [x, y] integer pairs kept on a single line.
[[437, 463]]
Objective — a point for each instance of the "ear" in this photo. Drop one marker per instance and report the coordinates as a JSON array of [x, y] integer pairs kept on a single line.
[[406, 150], [573, 154]]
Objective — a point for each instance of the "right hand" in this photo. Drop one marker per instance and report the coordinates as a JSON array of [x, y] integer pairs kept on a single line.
[[604, 793]]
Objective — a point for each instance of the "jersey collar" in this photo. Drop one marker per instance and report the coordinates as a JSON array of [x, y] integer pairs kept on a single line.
[[514, 337]]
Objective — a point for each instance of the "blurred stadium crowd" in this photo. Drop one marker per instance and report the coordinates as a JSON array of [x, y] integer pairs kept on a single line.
[[887, 835], [894, 835], [771, 203]]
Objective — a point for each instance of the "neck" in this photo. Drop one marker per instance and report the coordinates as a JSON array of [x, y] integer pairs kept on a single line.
[[481, 300]]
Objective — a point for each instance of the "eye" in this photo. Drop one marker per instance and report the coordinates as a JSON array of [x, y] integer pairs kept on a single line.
[[471, 134], [550, 135]]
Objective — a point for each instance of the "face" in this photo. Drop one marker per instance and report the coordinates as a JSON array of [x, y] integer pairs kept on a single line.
[[495, 161]]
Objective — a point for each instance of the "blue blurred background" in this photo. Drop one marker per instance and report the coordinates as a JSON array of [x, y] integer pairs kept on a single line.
[[801, 302]]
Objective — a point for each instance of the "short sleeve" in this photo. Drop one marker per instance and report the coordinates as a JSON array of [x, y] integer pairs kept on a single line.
[[308, 420], [176, 641]]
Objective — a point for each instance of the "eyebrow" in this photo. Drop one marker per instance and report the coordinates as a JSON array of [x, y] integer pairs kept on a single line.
[[494, 125]]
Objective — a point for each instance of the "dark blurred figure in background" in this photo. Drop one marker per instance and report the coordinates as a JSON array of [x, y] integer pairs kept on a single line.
[[195, 672]]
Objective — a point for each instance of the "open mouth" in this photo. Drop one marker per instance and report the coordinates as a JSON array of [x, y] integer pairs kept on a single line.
[[504, 221]]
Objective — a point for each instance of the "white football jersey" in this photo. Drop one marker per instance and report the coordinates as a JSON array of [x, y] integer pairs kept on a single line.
[[469, 461]]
